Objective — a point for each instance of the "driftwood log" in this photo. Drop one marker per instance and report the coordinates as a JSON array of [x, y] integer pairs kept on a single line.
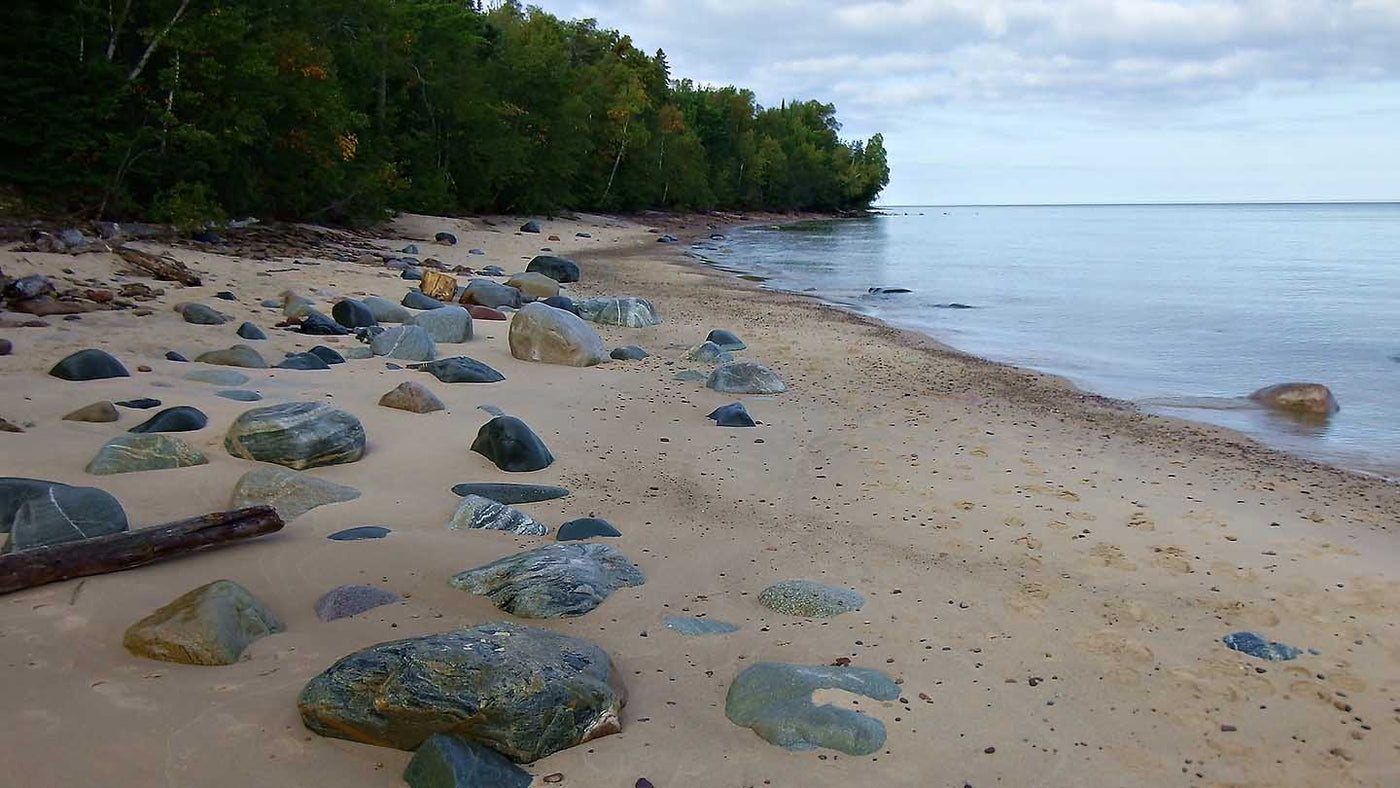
[[114, 552], [164, 268]]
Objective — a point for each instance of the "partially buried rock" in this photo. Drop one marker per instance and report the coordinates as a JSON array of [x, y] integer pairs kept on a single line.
[[96, 413], [236, 356], [409, 343], [199, 314], [482, 514], [810, 599], [727, 340], [297, 435], [691, 375], [385, 311], [531, 226], [139, 403], [171, 355], [585, 528], [210, 625], [317, 324], [182, 418], [553, 336], [131, 453], [360, 533], [505, 492], [446, 238], [479, 312], [696, 627], [708, 352], [522, 691], [535, 285], [217, 377], [240, 395], [445, 324], [629, 353], [460, 369], [560, 269], [90, 364], [628, 311], [351, 600], [1310, 398], [511, 445], [732, 415], [775, 701], [38, 513], [412, 397], [353, 314], [453, 762], [328, 355], [554, 581], [1258, 646], [416, 300], [745, 377], [303, 361], [484, 292], [290, 492], [250, 331]]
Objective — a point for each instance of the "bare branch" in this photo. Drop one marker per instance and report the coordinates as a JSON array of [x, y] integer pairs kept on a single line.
[[151, 48]]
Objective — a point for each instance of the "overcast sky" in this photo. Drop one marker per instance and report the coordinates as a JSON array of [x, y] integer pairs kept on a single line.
[[1030, 101]]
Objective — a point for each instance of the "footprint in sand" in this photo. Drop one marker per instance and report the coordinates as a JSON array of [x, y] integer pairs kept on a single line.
[[1039, 489], [1029, 599], [1172, 559], [1111, 556], [1139, 521], [1125, 654], [966, 506]]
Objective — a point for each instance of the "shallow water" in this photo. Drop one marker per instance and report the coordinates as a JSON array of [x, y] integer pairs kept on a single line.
[[1183, 308]]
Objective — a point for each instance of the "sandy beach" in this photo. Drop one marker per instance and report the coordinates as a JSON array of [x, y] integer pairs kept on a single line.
[[1047, 575]]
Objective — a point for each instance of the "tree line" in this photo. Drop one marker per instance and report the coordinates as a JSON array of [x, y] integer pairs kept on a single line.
[[340, 110]]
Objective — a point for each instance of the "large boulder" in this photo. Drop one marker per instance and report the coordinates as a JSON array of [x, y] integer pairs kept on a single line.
[[385, 311], [445, 324], [90, 364], [745, 377], [535, 285], [483, 514], [522, 691], [775, 701], [484, 292], [627, 311], [1309, 398], [236, 356], [512, 445], [210, 625], [37, 513], [553, 336], [560, 580], [131, 453], [290, 492], [297, 435], [560, 269], [409, 343]]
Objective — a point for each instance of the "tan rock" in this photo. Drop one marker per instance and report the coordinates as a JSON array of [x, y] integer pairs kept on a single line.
[[438, 285], [96, 413], [1298, 397], [553, 336], [534, 284], [210, 625], [412, 397]]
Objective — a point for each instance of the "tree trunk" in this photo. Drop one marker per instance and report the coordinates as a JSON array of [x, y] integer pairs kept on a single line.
[[620, 148], [151, 48]]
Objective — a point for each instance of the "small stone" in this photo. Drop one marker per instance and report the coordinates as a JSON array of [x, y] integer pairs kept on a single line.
[[409, 343], [217, 377], [201, 315], [351, 600], [290, 492], [559, 580], [359, 533], [236, 356], [303, 361], [410, 249], [732, 415], [477, 513], [560, 269], [412, 397], [775, 701], [452, 762], [140, 403], [171, 355], [585, 528], [240, 395], [696, 627], [96, 413], [629, 353], [250, 331], [297, 435], [353, 314], [810, 599], [131, 453], [225, 296], [210, 625], [6, 347], [328, 355], [727, 340], [745, 377], [90, 364], [460, 369], [181, 418], [512, 445], [1258, 646]]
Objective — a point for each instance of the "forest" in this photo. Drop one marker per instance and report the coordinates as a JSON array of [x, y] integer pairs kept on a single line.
[[343, 110]]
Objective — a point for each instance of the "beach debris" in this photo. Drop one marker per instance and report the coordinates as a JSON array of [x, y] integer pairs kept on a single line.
[[534, 284], [460, 369], [249, 331], [499, 685], [1311, 398], [775, 701], [164, 267], [505, 492], [89, 364], [134, 453], [453, 762], [408, 343], [745, 377], [382, 310], [236, 356], [629, 353], [731, 415], [694, 626], [353, 314], [553, 336], [559, 269], [727, 340], [359, 533], [297, 435], [412, 397], [181, 418], [413, 299], [560, 580], [585, 528], [1256, 645], [351, 600], [484, 292], [483, 514], [450, 323], [37, 513], [810, 598], [290, 492], [210, 625], [96, 413], [626, 311], [438, 285], [512, 445]]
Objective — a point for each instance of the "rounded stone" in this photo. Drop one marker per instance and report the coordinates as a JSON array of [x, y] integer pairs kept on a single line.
[[745, 377], [353, 314], [629, 353], [810, 598], [36, 513], [536, 285], [727, 340], [553, 336], [352, 600], [250, 331], [1310, 398], [628, 312], [512, 445], [585, 528], [303, 361], [236, 356], [97, 413], [297, 435], [416, 300], [131, 453], [210, 625], [484, 292], [199, 314], [445, 324], [476, 513], [412, 397], [240, 395], [561, 580], [560, 269], [385, 311], [328, 355], [217, 377], [460, 369], [181, 418], [90, 364], [408, 343], [775, 701], [708, 352]]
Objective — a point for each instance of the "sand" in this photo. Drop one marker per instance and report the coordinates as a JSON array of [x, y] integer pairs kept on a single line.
[[1047, 574]]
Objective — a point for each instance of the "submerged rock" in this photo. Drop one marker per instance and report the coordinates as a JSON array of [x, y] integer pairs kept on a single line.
[[298, 435], [1258, 646], [505, 492], [559, 269], [484, 514], [745, 377], [352, 600], [522, 691], [37, 513], [236, 356], [90, 364], [810, 598], [291, 493], [695, 627], [775, 701], [628, 311], [412, 397], [1312, 398], [512, 445], [553, 581], [453, 762], [210, 625], [553, 336], [727, 340], [182, 418], [131, 453], [461, 370], [409, 343], [585, 528], [731, 415]]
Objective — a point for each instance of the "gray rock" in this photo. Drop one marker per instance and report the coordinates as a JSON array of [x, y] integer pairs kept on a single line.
[[350, 600], [554, 581], [291, 493], [697, 627], [693, 375], [217, 377], [483, 514], [629, 353], [359, 353], [490, 270], [410, 249], [385, 311], [139, 403], [415, 299], [727, 340], [553, 336], [90, 364], [460, 370], [512, 445], [505, 492], [37, 513], [236, 356], [360, 533], [775, 701], [628, 311], [561, 302], [560, 269], [250, 331], [210, 625], [201, 315], [708, 353], [131, 453], [445, 324], [484, 292], [522, 691], [810, 599], [412, 397], [745, 377], [182, 418], [585, 528], [297, 435], [240, 395], [452, 762], [409, 343]]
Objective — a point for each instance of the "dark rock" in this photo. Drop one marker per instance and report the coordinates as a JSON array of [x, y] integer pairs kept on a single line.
[[210, 625], [1257, 646], [353, 314], [583, 235], [505, 492], [236, 356], [460, 370], [889, 290], [446, 238], [328, 355], [36, 513], [384, 310], [201, 315], [416, 300], [553, 581], [531, 226], [225, 296], [303, 361], [629, 353], [96, 413], [140, 403], [412, 397], [484, 292], [745, 377], [171, 355], [954, 305], [349, 600], [561, 302], [511, 445], [693, 626], [6, 347], [297, 435], [668, 239], [290, 492], [27, 287], [360, 532], [708, 352], [452, 762], [207, 237], [810, 599], [522, 691], [317, 324], [250, 331], [732, 415], [727, 340], [412, 274], [585, 528], [90, 364], [560, 269], [775, 700], [410, 249], [181, 418], [240, 395], [492, 270], [483, 514], [132, 453]]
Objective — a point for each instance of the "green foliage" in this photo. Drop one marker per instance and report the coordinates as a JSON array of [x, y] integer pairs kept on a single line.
[[341, 110]]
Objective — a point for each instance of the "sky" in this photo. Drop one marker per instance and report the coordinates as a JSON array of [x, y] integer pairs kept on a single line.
[[1067, 101]]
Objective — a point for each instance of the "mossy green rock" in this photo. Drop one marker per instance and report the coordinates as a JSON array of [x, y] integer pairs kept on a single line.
[[297, 435], [210, 625], [522, 691], [775, 700], [291, 493], [450, 762], [153, 452], [809, 598]]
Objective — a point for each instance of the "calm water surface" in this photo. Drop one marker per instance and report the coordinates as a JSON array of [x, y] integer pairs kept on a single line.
[[1181, 308]]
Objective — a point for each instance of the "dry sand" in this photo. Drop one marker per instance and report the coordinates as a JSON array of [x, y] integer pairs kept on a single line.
[[1046, 573]]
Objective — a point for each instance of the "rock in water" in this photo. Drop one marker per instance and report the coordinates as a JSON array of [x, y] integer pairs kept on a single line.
[[1312, 398], [732, 415], [775, 700], [585, 528], [201, 315], [182, 418], [412, 397], [531, 226], [298, 435], [96, 413], [452, 762], [809, 598], [291, 493], [484, 292], [727, 340], [628, 311], [346, 601], [303, 361], [249, 331], [90, 364], [534, 284], [360, 533], [131, 453], [505, 492], [554, 581], [1258, 646], [709, 353], [210, 625], [553, 336], [693, 626], [445, 324], [218, 377], [416, 300], [511, 445], [409, 343], [522, 691], [460, 370], [328, 355], [477, 513], [236, 356], [37, 513], [629, 353], [385, 311], [353, 314], [745, 377], [560, 269]]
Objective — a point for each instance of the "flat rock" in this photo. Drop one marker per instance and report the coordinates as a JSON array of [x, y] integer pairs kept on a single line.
[[745, 377], [326, 354], [559, 269], [352, 600], [708, 352], [36, 513], [558, 580], [453, 762], [409, 343], [1256, 645], [627, 311], [445, 324], [140, 403], [585, 528], [1309, 398], [290, 492], [412, 397], [201, 315], [460, 369], [416, 300], [240, 395], [353, 314], [505, 492], [210, 625], [96, 413], [90, 364], [236, 356], [479, 312], [522, 691], [810, 599], [553, 336], [181, 418], [249, 331], [727, 340], [731, 415], [303, 361], [535, 285], [360, 533], [217, 377], [512, 445], [483, 514], [697, 627], [775, 701], [629, 353], [484, 292], [691, 375], [385, 311], [297, 435], [131, 453]]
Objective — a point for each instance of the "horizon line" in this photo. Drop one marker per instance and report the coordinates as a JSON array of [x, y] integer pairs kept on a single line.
[[1179, 203]]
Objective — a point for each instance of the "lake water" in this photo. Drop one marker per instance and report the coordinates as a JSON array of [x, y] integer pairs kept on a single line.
[[1183, 308]]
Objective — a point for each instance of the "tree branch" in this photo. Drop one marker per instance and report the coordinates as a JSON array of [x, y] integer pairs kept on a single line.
[[151, 48]]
